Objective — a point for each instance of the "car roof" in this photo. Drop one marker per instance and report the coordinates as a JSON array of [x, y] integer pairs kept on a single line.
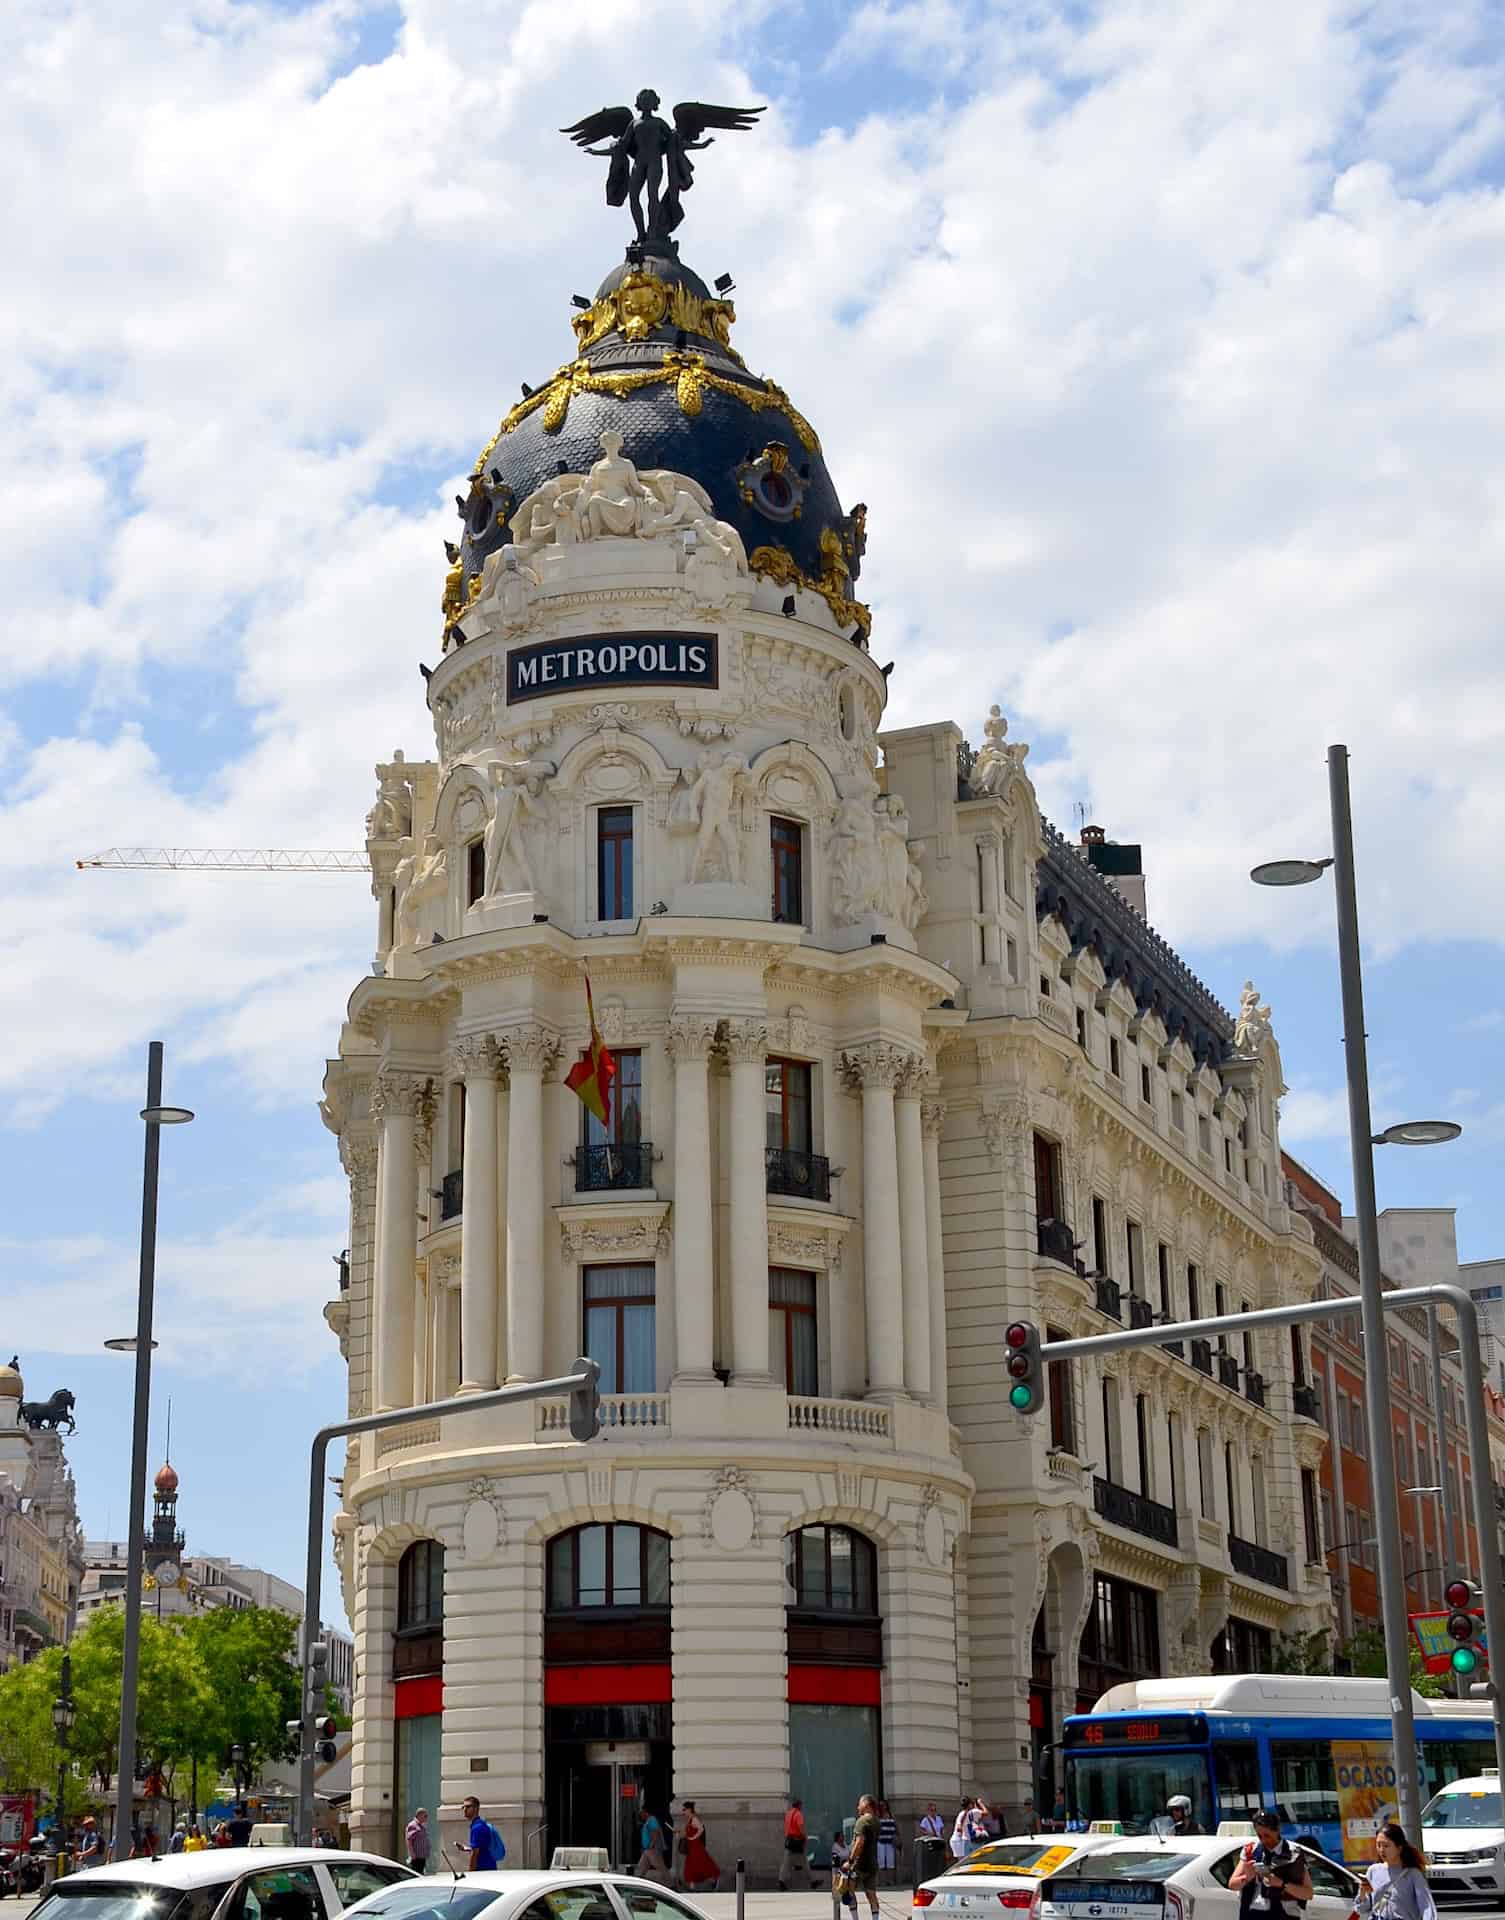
[[1480, 1783], [213, 1863], [524, 1880]]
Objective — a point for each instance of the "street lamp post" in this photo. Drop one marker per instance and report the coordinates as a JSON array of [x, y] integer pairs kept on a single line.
[[1363, 1140], [156, 1116], [63, 1715]]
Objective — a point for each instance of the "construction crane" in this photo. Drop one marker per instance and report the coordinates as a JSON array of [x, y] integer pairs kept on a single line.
[[226, 860]]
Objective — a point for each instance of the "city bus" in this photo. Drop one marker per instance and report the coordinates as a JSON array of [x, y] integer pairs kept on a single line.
[[1318, 1749]]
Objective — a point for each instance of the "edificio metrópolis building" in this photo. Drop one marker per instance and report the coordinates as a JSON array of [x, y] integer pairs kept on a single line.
[[896, 1064]]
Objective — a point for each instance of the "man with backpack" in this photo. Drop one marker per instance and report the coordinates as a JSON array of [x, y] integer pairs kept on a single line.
[[487, 1848]]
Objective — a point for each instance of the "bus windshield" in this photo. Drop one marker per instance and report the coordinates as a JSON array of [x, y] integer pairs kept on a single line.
[[1134, 1787], [1473, 1808]]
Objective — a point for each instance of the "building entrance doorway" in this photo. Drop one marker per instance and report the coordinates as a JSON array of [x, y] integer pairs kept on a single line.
[[605, 1769]]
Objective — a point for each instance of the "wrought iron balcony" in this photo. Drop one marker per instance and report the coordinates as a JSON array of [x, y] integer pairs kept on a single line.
[[1124, 1508], [1254, 1388], [1306, 1403], [1141, 1313], [1258, 1563], [608, 1169], [1109, 1297], [1054, 1239], [452, 1195], [803, 1176], [1201, 1355], [1228, 1371]]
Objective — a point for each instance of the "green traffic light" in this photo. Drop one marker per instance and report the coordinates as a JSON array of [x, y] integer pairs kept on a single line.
[[1022, 1397], [1464, 1659]]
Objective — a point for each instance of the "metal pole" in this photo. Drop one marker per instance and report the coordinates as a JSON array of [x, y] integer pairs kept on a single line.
[[587, 1374], [125, 1750], [1491, 1574], [1372, 1296], [1449, 1512]]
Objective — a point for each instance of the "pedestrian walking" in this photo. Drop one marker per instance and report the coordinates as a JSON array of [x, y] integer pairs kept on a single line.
[[650, 1847], [699, 1869], [932, 1826], [418, 1840], [91, 1846], [888, 1843], [792, 1859], [1395, 1887], [862, 1865], [194, 1841], [179, 1835], [487, 1848], [959, 1831], [1271, 1877]]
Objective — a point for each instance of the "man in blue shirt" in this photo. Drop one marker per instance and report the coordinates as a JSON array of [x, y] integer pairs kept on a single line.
[[483, 1858]]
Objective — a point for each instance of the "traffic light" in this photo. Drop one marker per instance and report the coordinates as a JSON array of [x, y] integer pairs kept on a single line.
[[1462, 1626], [585, 1402], [1024, 1366], [324, 1732], [294, 1736], [316, 1677]]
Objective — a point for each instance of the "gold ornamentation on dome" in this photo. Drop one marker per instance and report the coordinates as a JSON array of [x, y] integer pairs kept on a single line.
[[775, 564], [690, 381], [643, 302], [777, 456]]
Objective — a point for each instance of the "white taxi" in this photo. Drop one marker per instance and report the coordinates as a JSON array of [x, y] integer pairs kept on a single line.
[[1463, 1838], [1003, 1873], [1179, 1879]]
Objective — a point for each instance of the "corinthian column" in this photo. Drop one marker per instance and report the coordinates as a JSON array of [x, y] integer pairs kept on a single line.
[[914, 1245], [476, 1059], [691, 1037], [746, 1052], [402, 1105], [932, 1119], [531, 1053], [875, 1069]]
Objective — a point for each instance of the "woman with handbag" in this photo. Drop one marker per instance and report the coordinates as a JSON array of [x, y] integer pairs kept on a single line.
[[1395, 1887], [697, 1869]]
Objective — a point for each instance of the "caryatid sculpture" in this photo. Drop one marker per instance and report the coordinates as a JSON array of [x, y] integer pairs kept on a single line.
[[650, 159]]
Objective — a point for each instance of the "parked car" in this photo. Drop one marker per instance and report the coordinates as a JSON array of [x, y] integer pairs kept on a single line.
[[552, 1895], [1463, 1838], [1004, 1872], [1178, 1879], [223, 1883]]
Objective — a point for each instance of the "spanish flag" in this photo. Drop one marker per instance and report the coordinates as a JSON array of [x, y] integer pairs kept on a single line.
[[592, 1075]]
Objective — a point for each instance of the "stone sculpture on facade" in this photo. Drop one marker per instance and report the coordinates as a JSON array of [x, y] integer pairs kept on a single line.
[[853, 859], [391, 817], [1252, 1027], [520, 814], [998, 759], [708, 805], [422, 883], [649, 157]]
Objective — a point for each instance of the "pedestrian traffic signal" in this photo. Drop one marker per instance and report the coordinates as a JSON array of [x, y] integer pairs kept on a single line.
[[1462, 1625], [1024, 1367], [324, 1732], [585, 1402]]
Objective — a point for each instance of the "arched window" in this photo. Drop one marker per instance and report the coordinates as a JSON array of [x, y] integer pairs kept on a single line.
[[420, 1587], [831, 1570], [621, 1565]]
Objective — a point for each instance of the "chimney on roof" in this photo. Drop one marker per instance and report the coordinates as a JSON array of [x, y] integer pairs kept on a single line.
[[1123, 865]]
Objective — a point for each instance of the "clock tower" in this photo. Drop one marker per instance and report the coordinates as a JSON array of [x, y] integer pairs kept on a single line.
[[164, 1550]]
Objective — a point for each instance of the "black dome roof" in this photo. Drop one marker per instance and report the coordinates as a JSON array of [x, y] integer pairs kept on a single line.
[[656, 364]]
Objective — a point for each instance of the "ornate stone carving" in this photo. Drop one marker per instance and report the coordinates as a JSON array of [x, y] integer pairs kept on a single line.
[[392, 816], [930, 1528], [791, 1246], [393, 1091], [1005, 1120], [855, 874], [1252, 1028], [933, 1117], [879, 1063], [474, 1056], [744, 1039], [901, 893], [912, 1077], [707, 806], [519, 832], [641, 1239], [422, 886], [997, 761], [691, 1036], [483, 1522], [531, 1048], [729, 1513]]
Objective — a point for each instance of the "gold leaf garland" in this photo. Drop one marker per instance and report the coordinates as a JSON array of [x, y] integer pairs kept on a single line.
[[775, 564]]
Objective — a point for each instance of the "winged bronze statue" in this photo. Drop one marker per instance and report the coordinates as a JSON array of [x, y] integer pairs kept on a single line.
[[650, 159]]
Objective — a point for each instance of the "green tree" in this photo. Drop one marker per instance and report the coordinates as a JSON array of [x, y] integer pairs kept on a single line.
[[1304, 1652], [1365, 1654], [248, 1655]]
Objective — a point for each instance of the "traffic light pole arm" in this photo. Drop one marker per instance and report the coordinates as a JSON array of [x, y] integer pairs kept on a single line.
[[585, 1378], [1486, 1525]]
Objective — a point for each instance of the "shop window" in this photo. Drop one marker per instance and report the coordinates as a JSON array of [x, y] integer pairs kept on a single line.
[[786, 840], [831, 1570], [420, 1586], [792, 1330], [619, 1326], [621, 1565], [614, 863]]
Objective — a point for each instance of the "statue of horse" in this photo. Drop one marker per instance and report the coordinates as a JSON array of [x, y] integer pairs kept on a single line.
[[50, 1413]]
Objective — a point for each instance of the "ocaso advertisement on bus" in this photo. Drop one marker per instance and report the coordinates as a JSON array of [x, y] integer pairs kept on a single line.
[[1365, 1774]]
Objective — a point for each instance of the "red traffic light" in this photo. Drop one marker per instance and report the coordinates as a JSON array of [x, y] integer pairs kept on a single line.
[[1017, 1335], [1019, 1365], [324, 1727], [1458, 1593], [1461, 1626]]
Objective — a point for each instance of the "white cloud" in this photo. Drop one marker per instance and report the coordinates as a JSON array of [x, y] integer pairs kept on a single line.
[[1313, 1113], [1162, 346]]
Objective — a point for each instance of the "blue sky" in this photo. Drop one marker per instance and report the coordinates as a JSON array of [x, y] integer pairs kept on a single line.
[[1160, 336]]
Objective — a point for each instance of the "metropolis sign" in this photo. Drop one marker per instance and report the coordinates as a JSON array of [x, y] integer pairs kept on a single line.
[[617, 660]]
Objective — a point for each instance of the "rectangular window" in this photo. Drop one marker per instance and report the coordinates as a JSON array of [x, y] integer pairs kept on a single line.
[[1112, 1441], [1142, 1443], [1081, 1030], [475, 871], [1193, 1291], [1351, 1532], [614, 863], [1145, 1093], [787, 1090], [1227, 1154], [1230, 1488], [1062, 1412], [1178, 1113], [1135, 1235], [1099, 1234], [619, 1326], [1310, 1517], [1220, 1307], [1174, 1430], [1047, 1179], [624, 1106], [1244, 1307], [1163, 1255], [792, 1337], [1359, 1428], [786, 840], [1298, 1358], [1204, 1133], [1115, 1064]]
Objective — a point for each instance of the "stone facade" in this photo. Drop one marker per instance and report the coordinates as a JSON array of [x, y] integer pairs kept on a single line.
[[41, 1548], [895, 1049]]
